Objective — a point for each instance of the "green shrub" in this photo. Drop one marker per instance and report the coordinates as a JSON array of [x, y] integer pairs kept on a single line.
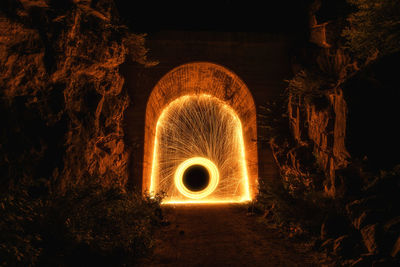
[[305, 212], [89, 225], [374, 28], [20, 242], [330, 70], [273, 119]]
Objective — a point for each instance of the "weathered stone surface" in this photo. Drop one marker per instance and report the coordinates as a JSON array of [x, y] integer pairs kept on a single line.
[[349, 181], [324, 130], [317, 30], [320, 131], [356, 207], [327, 245], [368, 217], [395, 253], [296, 165], [393, 225], [360, 221], [365, 211], [369, 235], [317, 109], [347, 126], [344, 246], [60, 85], [365, 260], [385, 262], [334, 226], [376, 215]]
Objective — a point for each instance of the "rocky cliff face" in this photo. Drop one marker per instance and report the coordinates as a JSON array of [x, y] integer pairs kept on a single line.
[[346, 127], [317, 110], [62, 97], [324, 130], [343, 143], [317, 146]]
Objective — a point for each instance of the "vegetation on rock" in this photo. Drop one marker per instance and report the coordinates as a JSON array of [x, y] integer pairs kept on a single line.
[[328, 170], [88, 225], [63, 158], [62, 94], [374, 28]]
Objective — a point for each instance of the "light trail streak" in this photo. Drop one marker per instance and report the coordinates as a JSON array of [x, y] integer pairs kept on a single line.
[[199, 127], [212, 170]]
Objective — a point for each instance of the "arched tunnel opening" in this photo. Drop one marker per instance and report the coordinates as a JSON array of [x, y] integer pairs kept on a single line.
[[200, 137]]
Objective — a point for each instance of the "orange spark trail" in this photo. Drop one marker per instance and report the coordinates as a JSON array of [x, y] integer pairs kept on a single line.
[[199, 130]]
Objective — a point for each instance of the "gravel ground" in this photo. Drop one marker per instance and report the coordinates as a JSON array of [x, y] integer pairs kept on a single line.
[[223, 235]]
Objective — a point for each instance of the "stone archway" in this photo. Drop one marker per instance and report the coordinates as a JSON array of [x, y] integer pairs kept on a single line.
[[203, 78]]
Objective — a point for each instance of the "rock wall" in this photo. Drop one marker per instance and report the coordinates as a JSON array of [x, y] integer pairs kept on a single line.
[[317, 111], [62, 96], [340, 122], [324, 130], [343, 142]]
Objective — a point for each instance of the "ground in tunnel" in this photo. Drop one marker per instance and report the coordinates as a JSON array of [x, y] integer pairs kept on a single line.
[[223, 235]]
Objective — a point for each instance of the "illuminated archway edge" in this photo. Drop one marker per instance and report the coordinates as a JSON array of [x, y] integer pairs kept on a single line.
[[203, 78], [212, 169]]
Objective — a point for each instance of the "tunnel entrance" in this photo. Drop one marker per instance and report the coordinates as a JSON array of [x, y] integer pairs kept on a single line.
[[200, 137]]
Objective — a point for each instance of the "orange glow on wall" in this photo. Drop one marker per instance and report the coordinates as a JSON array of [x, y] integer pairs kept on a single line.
[[199, 130], [230, 102]]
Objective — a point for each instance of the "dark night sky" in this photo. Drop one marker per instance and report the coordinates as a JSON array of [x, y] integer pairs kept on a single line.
[[280, 16]]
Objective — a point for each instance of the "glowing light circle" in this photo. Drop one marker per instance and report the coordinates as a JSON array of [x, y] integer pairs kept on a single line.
[[212, 184]]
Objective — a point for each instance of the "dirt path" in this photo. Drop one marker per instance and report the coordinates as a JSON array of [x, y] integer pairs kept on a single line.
[[222, 235]]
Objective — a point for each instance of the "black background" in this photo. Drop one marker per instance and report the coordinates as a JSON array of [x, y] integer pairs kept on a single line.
[[282, 16]]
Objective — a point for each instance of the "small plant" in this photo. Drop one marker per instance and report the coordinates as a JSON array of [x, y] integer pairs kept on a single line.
[[335, 66], [87, 225], [20, 242], [274, 119], [299, 214], [374, 28], [329, 72]]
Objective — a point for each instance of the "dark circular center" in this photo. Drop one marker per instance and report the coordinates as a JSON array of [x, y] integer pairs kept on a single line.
[[196, 178]]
